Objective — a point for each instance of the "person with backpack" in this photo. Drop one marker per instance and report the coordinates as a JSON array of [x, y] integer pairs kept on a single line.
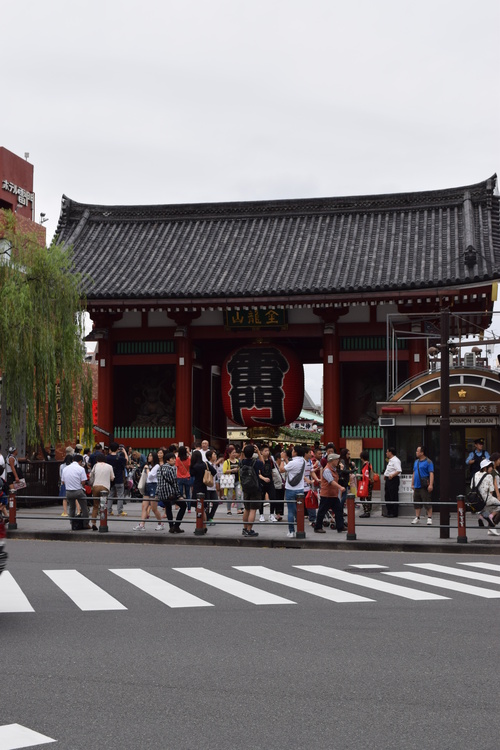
[[294, 485], [250, 477], [483, 483]]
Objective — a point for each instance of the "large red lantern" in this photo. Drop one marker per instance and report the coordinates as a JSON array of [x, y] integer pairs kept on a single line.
[[262, 384]]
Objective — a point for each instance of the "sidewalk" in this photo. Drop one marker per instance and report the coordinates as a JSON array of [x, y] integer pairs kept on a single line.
[[375, 533]]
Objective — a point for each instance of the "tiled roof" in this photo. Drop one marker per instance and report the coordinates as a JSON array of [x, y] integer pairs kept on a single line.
[[276, 249]]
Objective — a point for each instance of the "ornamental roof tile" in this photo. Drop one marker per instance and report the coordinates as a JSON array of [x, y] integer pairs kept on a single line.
[[353, 245]]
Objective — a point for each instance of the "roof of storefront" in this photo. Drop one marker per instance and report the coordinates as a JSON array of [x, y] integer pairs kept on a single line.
[[320, 246]]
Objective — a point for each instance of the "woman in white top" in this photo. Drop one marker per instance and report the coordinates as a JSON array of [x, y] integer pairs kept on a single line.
[[149, 499], [483, 482]]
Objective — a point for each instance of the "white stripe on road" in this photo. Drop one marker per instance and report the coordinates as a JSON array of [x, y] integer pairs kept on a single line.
[[86, 595], [12, 598], [236, 588], [316, 589], [15, 737], [484, 566], [443, 583], [165, 592], [369, 583], [369, 567], [460, 573]]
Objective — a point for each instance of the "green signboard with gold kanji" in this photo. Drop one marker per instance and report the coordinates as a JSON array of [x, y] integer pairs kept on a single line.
[[256, 318]]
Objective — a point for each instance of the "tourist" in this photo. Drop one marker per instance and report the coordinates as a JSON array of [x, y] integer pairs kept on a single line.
[[330, 495], [168, 492], [294, 485], [101, 476], [391, 483], [422, 484], [117, 458], [365, 486], [149, 500]]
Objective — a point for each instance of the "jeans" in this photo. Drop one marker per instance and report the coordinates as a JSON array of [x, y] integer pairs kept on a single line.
[[116, 490], [290, 499], [185, 489]]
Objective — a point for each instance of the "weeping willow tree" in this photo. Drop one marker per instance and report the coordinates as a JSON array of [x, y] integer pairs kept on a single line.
[[41, 332]]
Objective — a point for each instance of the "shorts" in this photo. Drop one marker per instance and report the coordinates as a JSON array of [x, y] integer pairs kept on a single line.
[[251, 502], [421, 498], [150, 490]]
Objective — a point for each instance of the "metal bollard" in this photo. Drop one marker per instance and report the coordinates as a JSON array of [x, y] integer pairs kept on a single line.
[[103, 512], [462, 528], [12, 511], [200, 512], [300, 533], [351, 518]]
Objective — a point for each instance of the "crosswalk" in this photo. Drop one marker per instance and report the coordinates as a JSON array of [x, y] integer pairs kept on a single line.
[[199, 587]]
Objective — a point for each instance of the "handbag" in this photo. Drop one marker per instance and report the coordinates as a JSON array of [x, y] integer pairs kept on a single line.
[[277, 478], [141, 484], [363, 489], [208, 479], [226, 481], [424, 481], [311, 500]]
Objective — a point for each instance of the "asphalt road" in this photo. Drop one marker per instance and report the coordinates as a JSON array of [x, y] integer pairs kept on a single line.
[[221, 672]]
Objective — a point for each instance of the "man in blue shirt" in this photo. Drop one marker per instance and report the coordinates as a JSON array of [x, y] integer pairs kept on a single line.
[[422, 484]]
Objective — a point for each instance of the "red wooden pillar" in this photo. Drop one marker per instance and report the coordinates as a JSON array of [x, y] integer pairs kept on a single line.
[[184, 387], [331, 384], [105, 385]]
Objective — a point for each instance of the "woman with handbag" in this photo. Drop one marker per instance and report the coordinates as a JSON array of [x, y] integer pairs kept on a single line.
[[230, 477], [149, 499], [200, 470], [365, 487]]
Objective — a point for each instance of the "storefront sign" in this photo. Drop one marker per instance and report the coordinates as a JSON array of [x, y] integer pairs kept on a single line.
[[258, 318], [23, 196], [465, 421]]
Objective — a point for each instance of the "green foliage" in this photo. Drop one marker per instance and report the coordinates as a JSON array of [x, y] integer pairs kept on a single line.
[[41, 331]]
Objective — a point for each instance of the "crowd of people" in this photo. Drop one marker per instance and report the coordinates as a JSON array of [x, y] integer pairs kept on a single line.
[[243, 479]]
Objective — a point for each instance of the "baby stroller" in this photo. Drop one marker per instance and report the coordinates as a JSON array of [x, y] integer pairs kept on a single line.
[[135, 493]]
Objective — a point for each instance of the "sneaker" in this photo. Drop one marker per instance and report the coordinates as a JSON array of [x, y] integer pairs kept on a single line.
[[429, 522], [64, 515], [244, 532], [211, 522], [493, 532], [252, 533], [110, 513], [140, 527], [320, 531], [272, 518], [159, 527], [229, 513], [291, 534], [262, 519], [416, 520], [123, 513]]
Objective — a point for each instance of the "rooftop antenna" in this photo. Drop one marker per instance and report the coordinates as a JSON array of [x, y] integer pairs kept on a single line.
[[26, 155]]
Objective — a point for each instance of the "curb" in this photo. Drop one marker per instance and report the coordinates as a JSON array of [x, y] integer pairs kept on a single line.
[[474, 548]]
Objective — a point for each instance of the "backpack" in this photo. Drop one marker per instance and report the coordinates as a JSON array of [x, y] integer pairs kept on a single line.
[[474, 501], [249, 480], [297, 478]]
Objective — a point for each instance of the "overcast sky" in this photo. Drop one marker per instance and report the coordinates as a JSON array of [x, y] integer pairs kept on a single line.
[[168, 101]]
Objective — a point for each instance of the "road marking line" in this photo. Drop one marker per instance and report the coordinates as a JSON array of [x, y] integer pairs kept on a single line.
[[310, 587], [236, 588], [84, 593], [443, 583], [165, 592], [15, 737], [385, 586], [370, 567], [485, 566], [12, 598], [460, 573]]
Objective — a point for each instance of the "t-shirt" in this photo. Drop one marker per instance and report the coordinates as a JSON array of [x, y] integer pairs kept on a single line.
[[292, 468], [425, 468], [118, 462]]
